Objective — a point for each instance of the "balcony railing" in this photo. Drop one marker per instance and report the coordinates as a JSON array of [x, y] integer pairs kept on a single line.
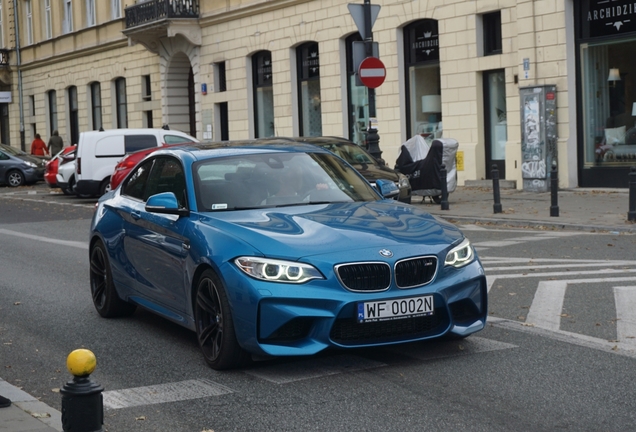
[[156, 10], [4, 57]]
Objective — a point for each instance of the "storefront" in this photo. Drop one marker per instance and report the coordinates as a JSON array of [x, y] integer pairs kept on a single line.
[[606, 73]]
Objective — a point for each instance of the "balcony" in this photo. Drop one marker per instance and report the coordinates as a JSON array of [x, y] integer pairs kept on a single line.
[[149, 21]]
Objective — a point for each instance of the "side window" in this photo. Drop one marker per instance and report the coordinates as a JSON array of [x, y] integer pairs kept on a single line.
[[3, 156], [167, 176], [136, 183], [132, 143], [175, 139]]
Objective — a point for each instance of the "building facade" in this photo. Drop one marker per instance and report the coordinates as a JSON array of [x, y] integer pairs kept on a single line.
[[518, 83]]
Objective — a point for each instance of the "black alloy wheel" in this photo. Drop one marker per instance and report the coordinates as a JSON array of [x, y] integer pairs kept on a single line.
[[105, 298], [214, 325]]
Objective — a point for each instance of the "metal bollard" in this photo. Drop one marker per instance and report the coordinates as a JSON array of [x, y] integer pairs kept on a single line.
[[444, 187], [554, 189], [631, 214], [496, 208], [82, 401]]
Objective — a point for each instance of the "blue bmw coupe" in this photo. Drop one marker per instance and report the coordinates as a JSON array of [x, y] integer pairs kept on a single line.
[[279, 249]]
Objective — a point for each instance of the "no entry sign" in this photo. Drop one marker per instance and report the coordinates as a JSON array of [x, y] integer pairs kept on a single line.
[[372, 72]]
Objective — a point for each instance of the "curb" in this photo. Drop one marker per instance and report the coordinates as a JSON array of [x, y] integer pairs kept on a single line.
[[26, 413]]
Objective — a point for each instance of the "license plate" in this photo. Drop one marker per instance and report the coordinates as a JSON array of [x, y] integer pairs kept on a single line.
[[386, 310]]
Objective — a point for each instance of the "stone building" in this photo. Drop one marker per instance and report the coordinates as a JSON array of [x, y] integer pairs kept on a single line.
[[231, 69]]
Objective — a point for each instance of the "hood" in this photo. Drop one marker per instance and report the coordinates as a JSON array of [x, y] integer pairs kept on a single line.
[[296, 232], [25, 157]]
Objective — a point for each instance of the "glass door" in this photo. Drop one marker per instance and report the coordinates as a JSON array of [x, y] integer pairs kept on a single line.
[[495, 119]]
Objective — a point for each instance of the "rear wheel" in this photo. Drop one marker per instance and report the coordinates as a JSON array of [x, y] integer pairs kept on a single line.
[[72, 189], [214, 325], [105, 186], [15, 178], [105, 297]]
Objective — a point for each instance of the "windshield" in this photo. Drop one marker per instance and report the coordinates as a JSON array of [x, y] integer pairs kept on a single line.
[[277, 179], [349, 152]]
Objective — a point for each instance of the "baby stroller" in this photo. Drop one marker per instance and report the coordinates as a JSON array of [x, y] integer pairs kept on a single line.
[[421, 162]]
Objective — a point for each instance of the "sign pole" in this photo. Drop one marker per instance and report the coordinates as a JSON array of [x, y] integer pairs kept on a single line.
[[373, 138]]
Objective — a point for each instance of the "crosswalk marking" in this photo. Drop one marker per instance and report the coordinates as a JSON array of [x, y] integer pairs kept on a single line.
[[547, 305], [625, 299]]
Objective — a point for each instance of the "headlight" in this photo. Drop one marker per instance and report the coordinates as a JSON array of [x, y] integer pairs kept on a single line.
[[31, 164], [460, 255], [277, 270], [403, 181]]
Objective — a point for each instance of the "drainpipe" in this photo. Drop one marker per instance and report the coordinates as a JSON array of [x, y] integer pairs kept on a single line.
[[19, 64]]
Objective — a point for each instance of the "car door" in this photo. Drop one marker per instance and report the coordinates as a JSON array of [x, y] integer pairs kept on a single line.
[[154, 244], [5, 162]]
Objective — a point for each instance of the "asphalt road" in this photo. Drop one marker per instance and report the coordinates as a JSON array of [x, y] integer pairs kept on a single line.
[[558, 354]]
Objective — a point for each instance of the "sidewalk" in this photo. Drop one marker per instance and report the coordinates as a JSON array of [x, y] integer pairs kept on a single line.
[[27, 413], [593, 210]]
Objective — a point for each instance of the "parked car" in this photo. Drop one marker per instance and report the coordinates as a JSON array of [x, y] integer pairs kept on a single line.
[[272, 249], [370, 168], [99, 151], [51, 167], [18, 168], [129, 161]]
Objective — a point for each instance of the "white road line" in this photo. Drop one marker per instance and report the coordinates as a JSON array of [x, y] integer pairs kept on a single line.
[[569, 265], [609, 272], [284, 373], [162, 393], [625, 298], [81, 245], [547, 305], [502, 260]]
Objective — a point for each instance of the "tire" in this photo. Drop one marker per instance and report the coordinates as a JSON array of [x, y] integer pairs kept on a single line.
[[15, 178], [68, 191], [104, 187], [105, 297], [214, 325], [73, 191]]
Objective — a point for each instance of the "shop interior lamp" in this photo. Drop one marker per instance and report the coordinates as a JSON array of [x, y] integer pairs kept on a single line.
[[614, 75], [431, 104]]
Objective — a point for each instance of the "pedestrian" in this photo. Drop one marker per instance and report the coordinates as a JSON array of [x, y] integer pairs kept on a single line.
[[38, 147], [4, 402], [55, 143]]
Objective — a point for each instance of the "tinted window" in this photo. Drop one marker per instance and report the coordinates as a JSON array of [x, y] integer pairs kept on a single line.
[[136, 183], [175, 139], [139, 142], [166, 176]]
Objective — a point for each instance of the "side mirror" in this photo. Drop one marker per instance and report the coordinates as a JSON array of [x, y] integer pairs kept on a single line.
[[165, 203], [387, 188]]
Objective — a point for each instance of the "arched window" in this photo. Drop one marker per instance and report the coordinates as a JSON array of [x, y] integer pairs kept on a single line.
[[308, 63], [263, 94], [423, 87]]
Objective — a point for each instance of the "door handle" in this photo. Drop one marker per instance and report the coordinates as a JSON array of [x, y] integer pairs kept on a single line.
[[135, 215]]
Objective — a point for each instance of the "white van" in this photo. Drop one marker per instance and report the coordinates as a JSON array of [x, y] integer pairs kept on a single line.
[[99, 151]]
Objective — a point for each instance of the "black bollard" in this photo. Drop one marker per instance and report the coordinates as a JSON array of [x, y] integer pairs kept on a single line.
[[444, 187], [554, 190], [82, 401], [496, 208], [631, 214]]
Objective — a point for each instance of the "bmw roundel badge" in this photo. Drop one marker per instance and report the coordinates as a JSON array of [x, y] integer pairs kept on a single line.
[[386, 253]]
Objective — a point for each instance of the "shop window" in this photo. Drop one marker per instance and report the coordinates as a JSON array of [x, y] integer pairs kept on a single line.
[[73, 114], [121, 107], [423, 86], [263, 94], [491, 23], [357, 97], [96, 105], [308, 64], [51, 96]]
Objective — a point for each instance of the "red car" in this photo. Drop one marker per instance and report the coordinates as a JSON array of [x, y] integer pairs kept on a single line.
[[129, 161], [50, 170]]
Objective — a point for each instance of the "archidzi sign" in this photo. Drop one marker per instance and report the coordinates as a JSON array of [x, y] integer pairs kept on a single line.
[[607, 18]]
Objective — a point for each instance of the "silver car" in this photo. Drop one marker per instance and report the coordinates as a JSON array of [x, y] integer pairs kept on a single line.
[[18, 168]]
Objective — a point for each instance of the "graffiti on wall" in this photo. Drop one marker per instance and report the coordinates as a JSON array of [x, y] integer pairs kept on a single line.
[[532, 148]]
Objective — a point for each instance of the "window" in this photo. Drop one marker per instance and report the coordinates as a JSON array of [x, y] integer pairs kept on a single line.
[[90, 13], [29, 21], [52, 102], [175, 139], [48, 31], [1, 28], [67, 24], [357, 97], [308, 64], [73, 114], [134, 187], [133, 143], [263, 94], [162, 174], [96, 105], [32, 105], [492, 33], [115, 9], [146, 89], [120, 103], [220, 84], [423, 85]]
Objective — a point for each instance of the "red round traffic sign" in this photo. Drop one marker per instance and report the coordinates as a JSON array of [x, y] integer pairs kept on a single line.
[[372, 72]]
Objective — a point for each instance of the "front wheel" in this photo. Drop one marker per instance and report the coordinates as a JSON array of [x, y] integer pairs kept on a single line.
[[15, 178], [214, 325], [105, 297]]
